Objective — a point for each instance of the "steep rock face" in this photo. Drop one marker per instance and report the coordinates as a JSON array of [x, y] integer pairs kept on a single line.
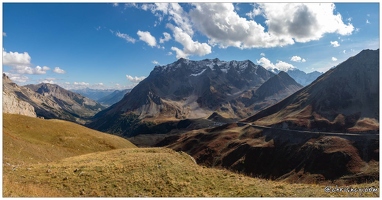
[[49, 106], [345, 98], [187, 89], [67, 100], [273, 90], [12, 104]]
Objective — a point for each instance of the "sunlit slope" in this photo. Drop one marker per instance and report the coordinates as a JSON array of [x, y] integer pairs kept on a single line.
[[34, 140], [151, 172]]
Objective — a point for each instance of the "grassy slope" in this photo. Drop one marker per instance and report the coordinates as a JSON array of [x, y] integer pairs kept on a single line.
[[34, 140], [51, 158], [148, 172]]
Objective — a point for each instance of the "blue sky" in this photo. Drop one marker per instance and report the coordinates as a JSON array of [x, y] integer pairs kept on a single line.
[[115, 45]]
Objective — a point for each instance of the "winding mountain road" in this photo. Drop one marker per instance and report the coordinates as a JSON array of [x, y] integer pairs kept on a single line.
[[312, 132]]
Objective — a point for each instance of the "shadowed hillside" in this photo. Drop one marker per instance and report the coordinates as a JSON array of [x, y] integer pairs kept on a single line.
[[344, 99]]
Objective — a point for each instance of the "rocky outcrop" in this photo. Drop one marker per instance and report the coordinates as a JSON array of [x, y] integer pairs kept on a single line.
[[13, 105]]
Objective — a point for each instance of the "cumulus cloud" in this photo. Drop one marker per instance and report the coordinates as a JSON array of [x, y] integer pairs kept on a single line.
[[334, 43], [40, 70], [16, 59], [18, 78], [135, 79], [304, 22], [81, 83], [280, 65], [147, 37], [58, 70], [166, 38], [367, 21], [297, 59], [287, 23], [48, 80], [224, 27], [334, 59], [190, 47], [262, 54], [125, 37], [155, 62], [255, 12]]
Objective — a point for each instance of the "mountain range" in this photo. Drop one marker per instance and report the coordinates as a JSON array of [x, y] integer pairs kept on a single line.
[[51, 101], [344, 99], [196, 89], [326, 131]]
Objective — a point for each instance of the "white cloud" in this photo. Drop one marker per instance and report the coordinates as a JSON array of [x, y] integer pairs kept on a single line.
[[166, 38], [67, 83], [147, 37], [20, 63], [297, 59], [115, 4], [334, 43], [125, 37], [58, 70], [280, 65], [262, 54], [180, 17], [190, 47], [304, 22], [40, 70], [16, 59], [155, 62], [48, 80], [255, 12], [18, 78], [367, 21], [344, 51], [4, 34], [286, 23], [224, 27], [81, 83], [135, 79], [169, 53], [334, 59]]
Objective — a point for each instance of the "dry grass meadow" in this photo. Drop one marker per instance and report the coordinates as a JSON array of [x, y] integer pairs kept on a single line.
[[53, 158]]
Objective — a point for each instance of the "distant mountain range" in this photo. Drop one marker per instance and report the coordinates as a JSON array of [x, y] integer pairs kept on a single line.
[[196, 89], [94, 94], [113, 97], [303, 78], [106, 97], [51, 101]]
